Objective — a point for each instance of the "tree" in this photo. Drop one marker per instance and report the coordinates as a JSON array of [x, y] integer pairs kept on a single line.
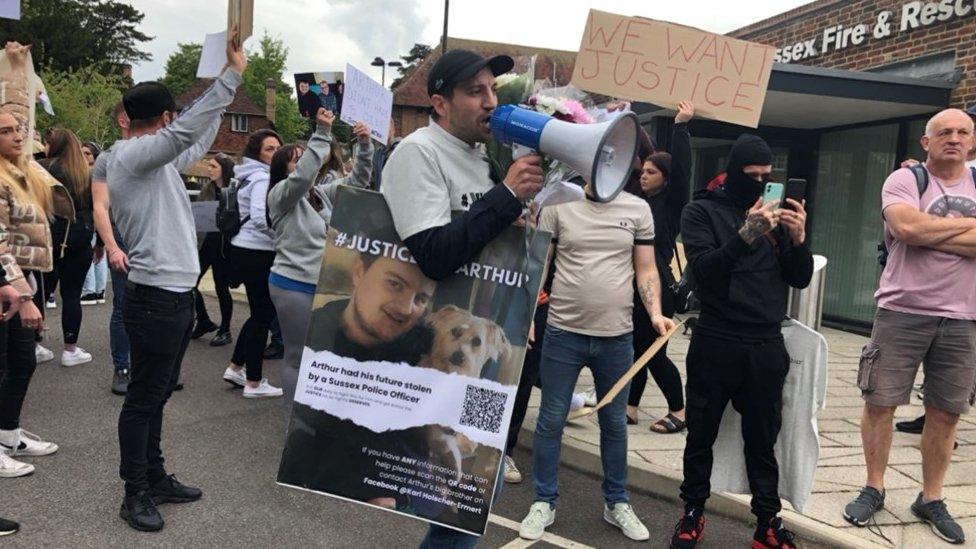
[[83, 101], [410, 61], [71, 34], [181, 68], [268, 61]]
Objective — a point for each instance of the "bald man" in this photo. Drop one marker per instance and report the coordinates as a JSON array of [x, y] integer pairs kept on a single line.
[[926, 313]]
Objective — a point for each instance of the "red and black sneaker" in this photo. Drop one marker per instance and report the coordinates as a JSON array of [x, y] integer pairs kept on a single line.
[[773, 536], [689, 531]]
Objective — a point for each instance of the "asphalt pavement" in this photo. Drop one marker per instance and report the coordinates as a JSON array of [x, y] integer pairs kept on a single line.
[[229, 447]]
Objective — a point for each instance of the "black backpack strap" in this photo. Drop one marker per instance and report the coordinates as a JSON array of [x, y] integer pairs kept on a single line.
[[973, 172], [921, 178]]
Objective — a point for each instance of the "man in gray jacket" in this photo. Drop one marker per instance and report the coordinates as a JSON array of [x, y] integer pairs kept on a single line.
[[152, 212]]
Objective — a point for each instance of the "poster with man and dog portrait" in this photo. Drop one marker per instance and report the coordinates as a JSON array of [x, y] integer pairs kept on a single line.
[[407, 384]]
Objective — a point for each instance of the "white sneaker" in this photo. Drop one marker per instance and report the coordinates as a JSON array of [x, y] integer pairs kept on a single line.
[[18, 442], [512, 474], [78, 356], [576, 402], [541, 516], [235, 377], [43, 354], [622, 516], [51, 303], [10, 467], [264, 390], [589, 397]]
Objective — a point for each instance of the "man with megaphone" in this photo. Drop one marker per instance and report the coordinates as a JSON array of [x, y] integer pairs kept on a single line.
[[446, 204]]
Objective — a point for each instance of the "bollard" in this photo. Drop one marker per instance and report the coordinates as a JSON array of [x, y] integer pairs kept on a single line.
[[806, 305]]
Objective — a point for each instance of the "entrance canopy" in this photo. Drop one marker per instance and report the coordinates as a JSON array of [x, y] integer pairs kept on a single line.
[[811, 98]]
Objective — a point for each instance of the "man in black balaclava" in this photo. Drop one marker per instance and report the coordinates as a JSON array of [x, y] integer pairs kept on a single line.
[[743, 255]]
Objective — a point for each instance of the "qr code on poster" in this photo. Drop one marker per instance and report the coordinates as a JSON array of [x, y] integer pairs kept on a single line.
[[483, 409]]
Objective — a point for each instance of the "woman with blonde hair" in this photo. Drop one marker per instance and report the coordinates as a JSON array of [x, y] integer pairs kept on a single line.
[[28, 195], [72, 239]]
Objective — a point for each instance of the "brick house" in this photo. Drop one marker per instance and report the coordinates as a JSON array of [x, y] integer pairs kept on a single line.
[[241, 118]]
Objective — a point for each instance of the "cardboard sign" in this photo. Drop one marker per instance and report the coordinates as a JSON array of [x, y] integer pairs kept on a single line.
[[241, 13], [664, 63], [366, 100], [10, 9], [213, 58], [410, 413]]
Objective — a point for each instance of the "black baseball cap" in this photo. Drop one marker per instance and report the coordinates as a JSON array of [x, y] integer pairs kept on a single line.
[[148, 100], [457, 66]]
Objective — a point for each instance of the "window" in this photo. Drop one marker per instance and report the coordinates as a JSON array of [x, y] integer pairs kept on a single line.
[[941, 66], [238, 123]]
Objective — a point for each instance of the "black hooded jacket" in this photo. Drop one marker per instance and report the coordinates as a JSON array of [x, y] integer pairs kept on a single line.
[[742, 287]]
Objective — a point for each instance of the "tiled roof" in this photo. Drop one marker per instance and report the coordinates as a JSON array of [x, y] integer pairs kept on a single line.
[[241, 104], [555, 65]]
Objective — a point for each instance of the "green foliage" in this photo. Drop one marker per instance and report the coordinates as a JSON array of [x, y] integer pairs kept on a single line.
[[83, 101], [410, 61], [290, 125], [181, 68], [70, 34]]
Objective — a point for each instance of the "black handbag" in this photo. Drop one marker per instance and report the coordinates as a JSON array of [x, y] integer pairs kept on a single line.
[[683, 289]]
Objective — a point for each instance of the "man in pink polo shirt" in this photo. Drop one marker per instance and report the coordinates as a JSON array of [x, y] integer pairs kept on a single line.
[[926, 313]]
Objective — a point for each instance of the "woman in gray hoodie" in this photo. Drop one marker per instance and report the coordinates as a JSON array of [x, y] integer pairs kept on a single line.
[[299, 211]]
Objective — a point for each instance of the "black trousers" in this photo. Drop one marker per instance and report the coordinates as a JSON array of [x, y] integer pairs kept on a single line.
[[212, 258], [70, 271], [751, 375], [529, 379], [253, 267], [159, 323], [17, 365], [662, 369]]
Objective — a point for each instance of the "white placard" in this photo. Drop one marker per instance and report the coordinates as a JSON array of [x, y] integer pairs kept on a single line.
[[214, 55], [10, 9], [366, 100], [205, 216]]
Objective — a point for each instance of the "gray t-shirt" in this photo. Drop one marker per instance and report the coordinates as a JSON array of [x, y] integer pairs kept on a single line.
[[150, 205], [100, 169], [431, 175]]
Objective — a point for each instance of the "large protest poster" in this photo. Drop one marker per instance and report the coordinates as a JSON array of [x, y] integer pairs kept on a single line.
[[407, 385], [664, 63], [367, 101]]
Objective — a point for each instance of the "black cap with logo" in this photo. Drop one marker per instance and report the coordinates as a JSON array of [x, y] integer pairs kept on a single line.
[[147, 100], [457, 66]]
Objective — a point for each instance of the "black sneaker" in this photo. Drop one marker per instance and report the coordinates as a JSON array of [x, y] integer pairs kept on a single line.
[[913, 427], [8, 527], [203, 328], [689, 531], [89, 299], [100, 297], [141, 513], [170, 490], [864, 506], [120, 382], [773, 536], [222, 338], [179, 385], [937, 515], [274, 351]]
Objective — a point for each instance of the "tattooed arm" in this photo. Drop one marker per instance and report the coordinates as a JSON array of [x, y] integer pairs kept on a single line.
[[649, 287], [760, 219]]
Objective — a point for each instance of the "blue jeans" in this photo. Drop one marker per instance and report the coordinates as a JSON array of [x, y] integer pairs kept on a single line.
[[117, 336], [563, 356], [95, 279], [441, 537]]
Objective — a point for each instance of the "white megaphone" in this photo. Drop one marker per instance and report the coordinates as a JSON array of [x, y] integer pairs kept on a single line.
[[601, 153]]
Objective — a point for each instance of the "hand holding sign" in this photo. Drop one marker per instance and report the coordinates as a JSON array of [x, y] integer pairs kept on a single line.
[[324, 118], [236, 58], [361, 131], [240, 16], [17, 54]]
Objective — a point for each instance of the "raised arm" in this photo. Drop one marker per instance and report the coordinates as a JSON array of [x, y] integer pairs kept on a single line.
[[286, 195], [362, 168], [680, 177], [200, 148], [150, 152]]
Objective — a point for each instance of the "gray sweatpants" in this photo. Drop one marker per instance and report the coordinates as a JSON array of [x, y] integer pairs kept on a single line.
[[294, 311]]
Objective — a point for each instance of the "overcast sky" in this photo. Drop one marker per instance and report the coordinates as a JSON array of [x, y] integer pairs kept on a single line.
[[325, 34]]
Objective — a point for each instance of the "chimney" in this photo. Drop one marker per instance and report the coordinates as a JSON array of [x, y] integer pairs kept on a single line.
[[269, 97], [127, 73]]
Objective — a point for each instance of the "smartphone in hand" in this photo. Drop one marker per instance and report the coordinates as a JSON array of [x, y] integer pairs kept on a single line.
[[795, 189], [774, 191]]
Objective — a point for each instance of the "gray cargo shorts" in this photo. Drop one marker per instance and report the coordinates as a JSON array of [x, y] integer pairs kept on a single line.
[[946, 348]]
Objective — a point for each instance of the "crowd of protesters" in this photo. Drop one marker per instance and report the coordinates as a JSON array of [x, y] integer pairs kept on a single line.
[[76, 215]]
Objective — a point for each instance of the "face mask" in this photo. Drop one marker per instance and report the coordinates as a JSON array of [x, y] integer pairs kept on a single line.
[[743, 190]]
